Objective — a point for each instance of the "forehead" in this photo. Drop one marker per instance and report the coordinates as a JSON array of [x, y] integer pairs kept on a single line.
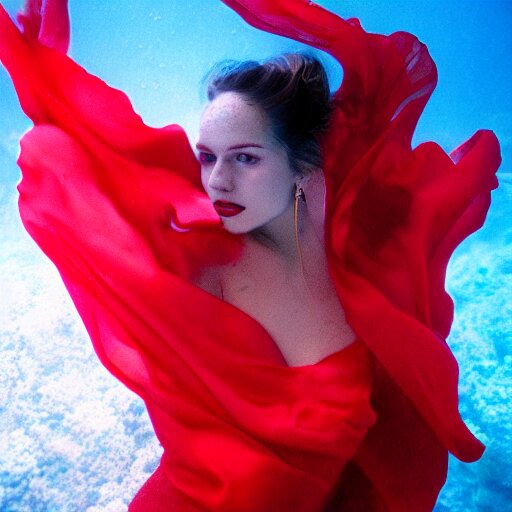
[[230, 119]]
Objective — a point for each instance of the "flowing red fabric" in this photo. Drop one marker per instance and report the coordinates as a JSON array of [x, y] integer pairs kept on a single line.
[[119, 209]]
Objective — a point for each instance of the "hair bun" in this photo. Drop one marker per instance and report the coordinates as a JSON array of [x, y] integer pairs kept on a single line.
[[312, 100]]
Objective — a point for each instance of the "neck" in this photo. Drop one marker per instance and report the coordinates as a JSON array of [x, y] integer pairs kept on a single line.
[[279, 235]]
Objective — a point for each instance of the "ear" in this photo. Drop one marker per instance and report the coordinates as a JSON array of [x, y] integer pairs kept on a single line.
[[299, 189], [302, 180]]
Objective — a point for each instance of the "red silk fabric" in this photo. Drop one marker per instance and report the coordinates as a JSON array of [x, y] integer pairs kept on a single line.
[[119, 209]]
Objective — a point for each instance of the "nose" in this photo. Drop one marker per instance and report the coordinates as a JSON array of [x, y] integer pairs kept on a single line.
[[220, 177]]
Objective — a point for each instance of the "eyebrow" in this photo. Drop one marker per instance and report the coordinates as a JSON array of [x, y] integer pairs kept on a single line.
[[237, 146]]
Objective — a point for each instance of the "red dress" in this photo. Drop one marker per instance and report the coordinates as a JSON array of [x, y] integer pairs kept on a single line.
[[119, 208]]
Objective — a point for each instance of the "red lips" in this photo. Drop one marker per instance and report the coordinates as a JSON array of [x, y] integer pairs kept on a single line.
[[227, 209]]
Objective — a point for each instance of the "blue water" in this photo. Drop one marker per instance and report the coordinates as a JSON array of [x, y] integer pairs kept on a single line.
[[71, 437]]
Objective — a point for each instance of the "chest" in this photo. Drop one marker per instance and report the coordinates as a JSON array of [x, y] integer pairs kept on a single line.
[[300, 311]]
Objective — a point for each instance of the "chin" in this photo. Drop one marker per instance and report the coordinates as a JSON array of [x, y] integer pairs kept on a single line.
[[234, 229]]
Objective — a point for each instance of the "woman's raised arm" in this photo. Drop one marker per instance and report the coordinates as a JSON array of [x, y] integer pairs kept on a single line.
[[383, 76], [150, 175]]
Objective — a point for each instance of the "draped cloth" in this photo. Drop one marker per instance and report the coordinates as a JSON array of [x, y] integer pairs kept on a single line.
[[119, 208]]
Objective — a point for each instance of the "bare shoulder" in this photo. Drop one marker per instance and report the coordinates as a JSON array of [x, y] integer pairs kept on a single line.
[[216, 279], [210, 280], [219, 279]]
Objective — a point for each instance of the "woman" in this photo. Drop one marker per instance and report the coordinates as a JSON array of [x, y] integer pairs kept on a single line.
[[258, 144], [253, 415]]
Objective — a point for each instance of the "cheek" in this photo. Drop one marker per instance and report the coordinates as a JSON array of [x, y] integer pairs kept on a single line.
[[281, 188], [278, 195], [204, 179], [273, 198]]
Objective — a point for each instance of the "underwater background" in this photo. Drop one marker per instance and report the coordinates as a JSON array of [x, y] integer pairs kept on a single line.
[[71, 437]]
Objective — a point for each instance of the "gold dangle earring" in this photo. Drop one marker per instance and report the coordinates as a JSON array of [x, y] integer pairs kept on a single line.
[[299, 197]]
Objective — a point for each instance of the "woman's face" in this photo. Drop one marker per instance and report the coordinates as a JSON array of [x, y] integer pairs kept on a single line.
[[244, 170]]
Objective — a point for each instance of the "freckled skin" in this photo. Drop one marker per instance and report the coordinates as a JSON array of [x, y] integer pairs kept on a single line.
[[242, 163]]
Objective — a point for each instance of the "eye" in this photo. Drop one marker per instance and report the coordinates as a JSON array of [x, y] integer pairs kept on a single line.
[[206, 158], [247, 159]]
